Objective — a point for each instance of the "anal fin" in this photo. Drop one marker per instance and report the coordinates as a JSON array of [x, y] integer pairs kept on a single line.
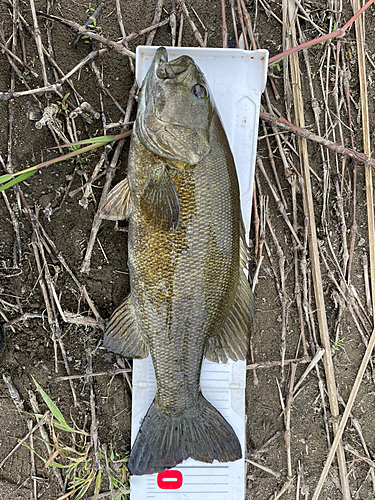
[[121, 334]]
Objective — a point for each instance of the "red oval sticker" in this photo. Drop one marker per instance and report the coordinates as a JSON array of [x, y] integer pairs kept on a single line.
[[169, 480]]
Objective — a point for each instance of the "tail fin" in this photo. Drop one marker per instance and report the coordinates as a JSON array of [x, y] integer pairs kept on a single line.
[[164, 441]]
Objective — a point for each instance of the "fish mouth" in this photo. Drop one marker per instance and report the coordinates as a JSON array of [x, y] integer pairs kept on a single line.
[[161, 56], [165, 70]]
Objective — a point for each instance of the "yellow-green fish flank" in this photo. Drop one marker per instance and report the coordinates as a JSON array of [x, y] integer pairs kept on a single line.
[[189, 295]]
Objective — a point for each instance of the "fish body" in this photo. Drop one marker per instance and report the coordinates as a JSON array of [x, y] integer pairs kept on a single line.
[[189, 295]]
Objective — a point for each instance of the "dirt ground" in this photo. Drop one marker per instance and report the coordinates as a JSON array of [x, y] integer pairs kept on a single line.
[[33, 345]]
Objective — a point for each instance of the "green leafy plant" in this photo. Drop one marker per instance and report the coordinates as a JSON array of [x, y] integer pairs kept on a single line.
[[75, 160], [9, 180], [63, 104], [94, 25], [276, 65], [339, 344], [89, 9], [79, 461]]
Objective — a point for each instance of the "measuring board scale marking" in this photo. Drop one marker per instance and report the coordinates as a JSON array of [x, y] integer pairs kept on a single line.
[[210, 482], [223, 385]]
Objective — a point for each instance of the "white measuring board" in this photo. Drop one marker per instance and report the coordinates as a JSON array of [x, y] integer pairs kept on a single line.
[[237, 79]]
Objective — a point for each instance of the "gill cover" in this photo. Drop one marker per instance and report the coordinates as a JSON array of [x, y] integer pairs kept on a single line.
[[174, 110]]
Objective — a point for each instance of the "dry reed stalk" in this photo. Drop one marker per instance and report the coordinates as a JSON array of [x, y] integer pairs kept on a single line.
[[116, 46], [240, 17], [173, 23], [255, 222], [52, 61], [196, 32], [366, 143], [46, 439], [38, 41], [85, 268], [255, 376], [302, 132], [371, 228], [262, 467], [156, 19], [367, 284], [297, 285], [345, 416], [342, 224], [94, 424], [16, 58], [288, 406], [90, 21], [136, 34], [286, 487], [354, 227], [272, 364], [279, 203], [234, 20], [353, 451], [282, 294], [20, 443], [224, 29], [357, 426], [289, 11], [274, 168], [180, 30], [34, 491], [109, 373], [125, 372], [16, 226]]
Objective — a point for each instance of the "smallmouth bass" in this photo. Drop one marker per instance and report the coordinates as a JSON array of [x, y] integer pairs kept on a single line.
[[186, 253]]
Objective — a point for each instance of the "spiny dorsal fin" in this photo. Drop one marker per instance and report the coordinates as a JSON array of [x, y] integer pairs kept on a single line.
[[159, 199], [121, 334], [117, 205]]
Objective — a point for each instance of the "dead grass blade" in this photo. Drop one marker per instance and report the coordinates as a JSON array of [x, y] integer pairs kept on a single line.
[[371, 229], [289, 14]]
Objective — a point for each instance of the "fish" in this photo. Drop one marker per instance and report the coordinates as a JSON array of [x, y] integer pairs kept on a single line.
[[189, 296]]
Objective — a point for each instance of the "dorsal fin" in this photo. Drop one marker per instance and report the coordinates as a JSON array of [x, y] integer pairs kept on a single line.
[[117, 205]]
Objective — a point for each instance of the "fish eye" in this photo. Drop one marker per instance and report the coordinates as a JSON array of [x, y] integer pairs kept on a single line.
[[200, 91]]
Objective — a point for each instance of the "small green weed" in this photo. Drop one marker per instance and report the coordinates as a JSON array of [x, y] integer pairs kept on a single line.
[[276, 65], [8, 180], [63, 104], [89, 9], [75, 160], [94, 25], [78, 461], [339, 344]]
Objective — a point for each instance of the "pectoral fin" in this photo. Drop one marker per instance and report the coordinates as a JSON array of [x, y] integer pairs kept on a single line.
[[233, 338], [117, 205], [121, 334], [159, 200]]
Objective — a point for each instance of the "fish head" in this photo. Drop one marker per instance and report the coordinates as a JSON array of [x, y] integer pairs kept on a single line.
[[175, 109]]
